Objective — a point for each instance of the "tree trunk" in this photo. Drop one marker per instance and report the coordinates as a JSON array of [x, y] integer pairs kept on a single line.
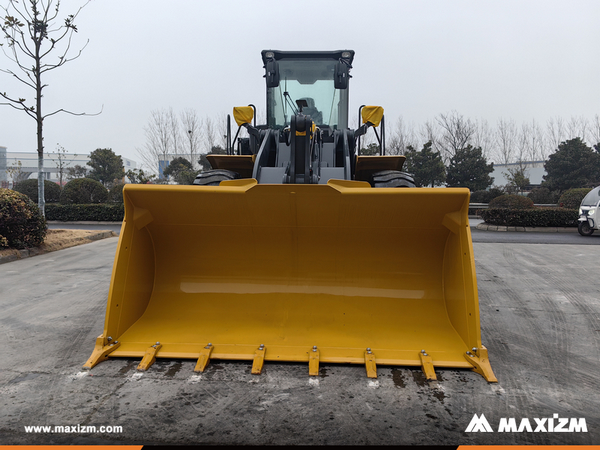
[[41, 194], [40, 124]]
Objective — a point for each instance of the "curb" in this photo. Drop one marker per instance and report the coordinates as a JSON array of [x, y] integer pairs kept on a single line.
[[83, 222], [486, 227], [27, 252]]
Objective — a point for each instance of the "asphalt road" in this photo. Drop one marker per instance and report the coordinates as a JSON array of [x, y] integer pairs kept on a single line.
[[540, 319], [477, 235]]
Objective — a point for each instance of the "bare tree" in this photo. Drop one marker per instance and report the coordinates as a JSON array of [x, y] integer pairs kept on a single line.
[[456, 133], [210, 136], [33, 38], [484, 138], [532, 139], [15, 171], [158, 141], [61, 163], [430, 132], [192, 128], [595, 130], [174, 131], [506, 138], [555, 132], [401, 137], [578, 127]]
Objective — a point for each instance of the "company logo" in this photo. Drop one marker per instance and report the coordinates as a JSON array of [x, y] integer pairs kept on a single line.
[[479, 424], [554, 424]]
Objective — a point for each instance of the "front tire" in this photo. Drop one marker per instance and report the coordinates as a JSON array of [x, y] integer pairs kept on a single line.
[[584, 228], [214, 177], [392, 178]]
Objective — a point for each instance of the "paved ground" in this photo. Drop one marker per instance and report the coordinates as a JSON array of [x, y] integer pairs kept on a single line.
[[540, 314]]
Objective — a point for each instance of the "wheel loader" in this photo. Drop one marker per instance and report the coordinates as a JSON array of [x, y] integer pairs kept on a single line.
[[296, 247]]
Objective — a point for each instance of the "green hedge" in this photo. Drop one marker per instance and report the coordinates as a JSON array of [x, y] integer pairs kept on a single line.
[[83, 190], [21, 222], [30, 189], [94, 212], [486, 196], [572, 198], [537, 217], [511, 202]]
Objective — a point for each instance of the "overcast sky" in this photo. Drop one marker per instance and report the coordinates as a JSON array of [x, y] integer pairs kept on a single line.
[[511, 59]]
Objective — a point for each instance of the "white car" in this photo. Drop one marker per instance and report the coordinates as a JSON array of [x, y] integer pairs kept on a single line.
[[589, 215]]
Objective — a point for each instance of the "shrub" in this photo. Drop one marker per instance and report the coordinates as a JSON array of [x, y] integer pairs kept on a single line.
[[543, 195], [30, 189], [115, 194], [83, 191], [571, 199], [100, 212], [535, 217], [511, 202], [486, 196], [21, 222]]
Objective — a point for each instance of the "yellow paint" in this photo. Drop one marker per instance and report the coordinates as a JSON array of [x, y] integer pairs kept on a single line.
[[344, 266]]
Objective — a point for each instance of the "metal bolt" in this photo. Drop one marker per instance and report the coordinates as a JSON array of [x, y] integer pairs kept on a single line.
[[116, 342], [209, 344], [369, 352], [158, 343], [422, 351], [425, 354], [109, 338], [468, 352], [262, 345], [314, 348], [368, 349], [472, 356]]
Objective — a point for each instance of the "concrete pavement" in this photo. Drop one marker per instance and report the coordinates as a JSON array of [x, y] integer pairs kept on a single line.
[[540, 317]]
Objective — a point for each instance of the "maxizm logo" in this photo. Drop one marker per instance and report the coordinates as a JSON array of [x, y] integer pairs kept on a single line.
[[553, 424]]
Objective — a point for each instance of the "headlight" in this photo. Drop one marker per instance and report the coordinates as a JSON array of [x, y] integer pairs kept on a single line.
[[580, 212], [591, 211]]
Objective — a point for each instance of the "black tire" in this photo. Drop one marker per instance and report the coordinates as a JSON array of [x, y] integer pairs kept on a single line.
[[214, 177], [584, 228], [392, 178]]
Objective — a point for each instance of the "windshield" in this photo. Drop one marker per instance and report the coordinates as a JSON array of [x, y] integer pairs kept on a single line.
[[310, 80], [592, 198]]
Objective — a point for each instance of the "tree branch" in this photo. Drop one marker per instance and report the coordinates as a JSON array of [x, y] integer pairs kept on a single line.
[[72, 113]]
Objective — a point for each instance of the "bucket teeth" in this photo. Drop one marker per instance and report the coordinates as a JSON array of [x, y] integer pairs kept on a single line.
[[204, 358], [101, 351], [313, 361], [427, 366], [259, 360], [149, 357], [370, 364], [481, 363]]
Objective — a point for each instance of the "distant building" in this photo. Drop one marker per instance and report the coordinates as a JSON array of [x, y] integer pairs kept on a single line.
[[534, 170], [9, 165], [3, 174]]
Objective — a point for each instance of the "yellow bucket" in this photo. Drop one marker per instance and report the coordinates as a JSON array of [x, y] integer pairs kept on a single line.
[[313, 273]]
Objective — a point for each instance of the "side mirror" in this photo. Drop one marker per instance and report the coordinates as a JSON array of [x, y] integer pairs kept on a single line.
[[272, 73], [372, 114], [341, 75], [243, 114]]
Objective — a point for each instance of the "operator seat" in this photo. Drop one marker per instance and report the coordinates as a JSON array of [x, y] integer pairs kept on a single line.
[[312, 111]]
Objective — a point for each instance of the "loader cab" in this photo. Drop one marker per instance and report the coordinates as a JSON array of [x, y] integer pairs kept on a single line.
[[319, 78]]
